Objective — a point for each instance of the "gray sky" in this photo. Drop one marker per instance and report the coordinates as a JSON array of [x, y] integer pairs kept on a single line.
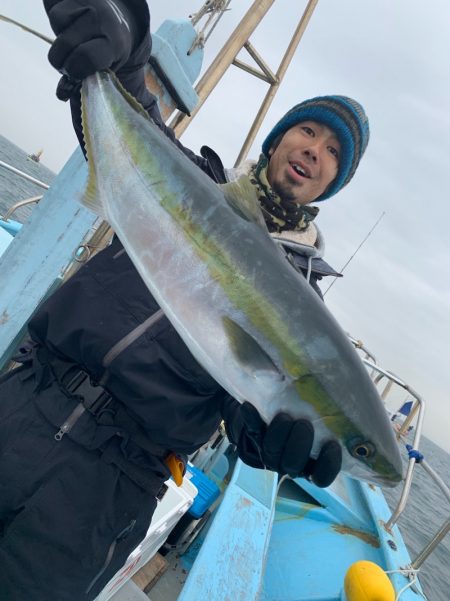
[[391, 56]]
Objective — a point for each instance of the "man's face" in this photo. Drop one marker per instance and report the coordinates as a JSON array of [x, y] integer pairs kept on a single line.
[[304, 163]]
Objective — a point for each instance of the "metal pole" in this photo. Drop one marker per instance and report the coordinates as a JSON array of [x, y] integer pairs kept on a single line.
[[21, 203], [411, 465], [24, 175], [223, 60], [279, 76], [440, 535], [417, 434], [271, 77], [386, 390], [439, 481]]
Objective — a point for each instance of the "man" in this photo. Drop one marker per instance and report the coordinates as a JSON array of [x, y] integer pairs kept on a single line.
[[108, 393]]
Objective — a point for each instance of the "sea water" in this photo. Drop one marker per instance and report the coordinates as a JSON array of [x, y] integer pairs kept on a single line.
[[427, 508]]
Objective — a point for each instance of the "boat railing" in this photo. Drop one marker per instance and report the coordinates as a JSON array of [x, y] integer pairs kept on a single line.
[[27, 201], [21, 203], [358, 344], [415, 458], [30, 178]]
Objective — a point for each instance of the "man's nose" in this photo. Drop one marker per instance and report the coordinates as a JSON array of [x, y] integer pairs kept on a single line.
[[311, 153]]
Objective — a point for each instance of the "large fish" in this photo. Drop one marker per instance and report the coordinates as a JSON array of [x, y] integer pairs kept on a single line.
[[246, 315]]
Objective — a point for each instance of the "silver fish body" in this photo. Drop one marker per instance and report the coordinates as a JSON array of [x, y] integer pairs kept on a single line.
[[247, 316]]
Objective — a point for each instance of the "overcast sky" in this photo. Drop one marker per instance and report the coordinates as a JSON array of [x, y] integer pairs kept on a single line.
[[394, 57]]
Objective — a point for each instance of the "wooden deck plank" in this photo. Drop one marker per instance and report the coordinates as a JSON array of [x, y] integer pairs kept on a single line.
[[146, 577]]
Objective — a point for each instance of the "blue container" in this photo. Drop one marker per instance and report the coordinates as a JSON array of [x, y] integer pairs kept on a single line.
[[208, 491]]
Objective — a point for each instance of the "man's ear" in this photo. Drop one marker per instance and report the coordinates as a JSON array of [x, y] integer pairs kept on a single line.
[[270, 152]]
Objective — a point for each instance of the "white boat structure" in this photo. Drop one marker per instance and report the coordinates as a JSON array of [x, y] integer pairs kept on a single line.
[[230, 532]]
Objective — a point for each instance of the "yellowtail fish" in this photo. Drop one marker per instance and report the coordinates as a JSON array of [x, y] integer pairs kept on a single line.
[[246, 315]]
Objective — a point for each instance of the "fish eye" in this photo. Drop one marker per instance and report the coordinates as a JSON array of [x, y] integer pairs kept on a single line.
[[362, 450]]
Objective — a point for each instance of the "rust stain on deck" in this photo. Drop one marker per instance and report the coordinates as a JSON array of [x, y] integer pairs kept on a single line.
[[368, 538], [302, 512]]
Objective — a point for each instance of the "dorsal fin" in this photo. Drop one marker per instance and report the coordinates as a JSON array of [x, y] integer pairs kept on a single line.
[[90, 197], [241, 197], [135, 104]]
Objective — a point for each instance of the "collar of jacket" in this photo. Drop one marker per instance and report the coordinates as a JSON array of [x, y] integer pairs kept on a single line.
[[299, 247]]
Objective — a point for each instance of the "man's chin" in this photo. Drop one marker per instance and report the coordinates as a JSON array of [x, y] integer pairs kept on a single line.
[[288, 195]]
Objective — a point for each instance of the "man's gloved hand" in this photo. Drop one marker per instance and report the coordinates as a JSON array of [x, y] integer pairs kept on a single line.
[[284, 446], [92, 35]]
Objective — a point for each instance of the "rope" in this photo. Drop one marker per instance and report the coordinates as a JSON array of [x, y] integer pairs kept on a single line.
[[282, 479], [216, 10], [414, 454], [408, 573]]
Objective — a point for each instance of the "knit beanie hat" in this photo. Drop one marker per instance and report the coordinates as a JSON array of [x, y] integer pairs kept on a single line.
[[345, 117]]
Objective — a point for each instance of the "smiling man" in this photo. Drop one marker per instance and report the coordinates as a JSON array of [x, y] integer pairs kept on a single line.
[[304, 162], [308, 156], [108, 393]]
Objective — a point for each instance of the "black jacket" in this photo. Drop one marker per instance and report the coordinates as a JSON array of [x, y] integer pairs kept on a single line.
[[156, 377]]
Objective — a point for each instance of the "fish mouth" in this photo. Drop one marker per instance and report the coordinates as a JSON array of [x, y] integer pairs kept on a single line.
[[388, 480], [385, 474]]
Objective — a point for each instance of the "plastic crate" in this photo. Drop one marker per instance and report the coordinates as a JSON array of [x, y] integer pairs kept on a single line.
[[208, 491], [168, 512]]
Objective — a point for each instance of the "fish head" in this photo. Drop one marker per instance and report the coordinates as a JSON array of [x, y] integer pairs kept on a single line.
[[350, 410], [357, 419], [378, 462], [371, 450]]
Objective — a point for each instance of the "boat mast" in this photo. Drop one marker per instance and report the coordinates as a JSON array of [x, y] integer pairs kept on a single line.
[[227, 56]]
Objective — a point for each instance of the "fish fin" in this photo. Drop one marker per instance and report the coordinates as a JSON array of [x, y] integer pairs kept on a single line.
[[241, 197], [135, 104], [90, 198], [248, 350]]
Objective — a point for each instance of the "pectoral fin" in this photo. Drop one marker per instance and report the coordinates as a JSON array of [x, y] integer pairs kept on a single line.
[[249, 352]]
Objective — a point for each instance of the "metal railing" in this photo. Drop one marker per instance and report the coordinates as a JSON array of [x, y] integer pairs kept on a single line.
[[24, 175], [26, 201], [417, 413], [21, 203]]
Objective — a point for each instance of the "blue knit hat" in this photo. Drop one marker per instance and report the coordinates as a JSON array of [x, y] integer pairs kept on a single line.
[[345, 117]]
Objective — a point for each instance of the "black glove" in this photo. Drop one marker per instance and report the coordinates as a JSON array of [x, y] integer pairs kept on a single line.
[[93, 35], [283, 446]]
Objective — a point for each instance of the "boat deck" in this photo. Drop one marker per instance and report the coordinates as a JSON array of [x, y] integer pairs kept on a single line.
[[298, 551]]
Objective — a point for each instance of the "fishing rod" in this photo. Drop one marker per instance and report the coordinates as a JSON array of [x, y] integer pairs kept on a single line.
[[357, 249], [27, 29]]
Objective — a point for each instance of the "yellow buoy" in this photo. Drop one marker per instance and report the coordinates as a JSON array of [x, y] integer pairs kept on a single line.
[[365, 581]]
